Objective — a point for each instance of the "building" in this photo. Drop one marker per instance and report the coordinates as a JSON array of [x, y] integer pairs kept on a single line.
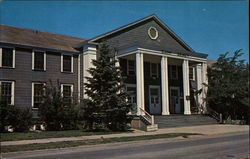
[[158, 66]]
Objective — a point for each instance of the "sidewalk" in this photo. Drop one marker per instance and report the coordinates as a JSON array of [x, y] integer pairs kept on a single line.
[[203, 129]]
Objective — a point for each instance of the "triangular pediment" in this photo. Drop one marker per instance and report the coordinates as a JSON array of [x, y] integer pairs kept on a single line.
[[139, 33]]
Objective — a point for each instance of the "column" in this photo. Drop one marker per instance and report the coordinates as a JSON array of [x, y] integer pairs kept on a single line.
[[139, 83], [199, 84], [89, 54], [142, 83], [164, 85], [186, 90], [204, 88]]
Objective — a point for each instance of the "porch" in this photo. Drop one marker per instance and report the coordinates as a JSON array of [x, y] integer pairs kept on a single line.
[[163, 83]]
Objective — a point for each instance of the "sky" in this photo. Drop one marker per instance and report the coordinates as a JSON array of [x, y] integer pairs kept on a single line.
[[211, 27]]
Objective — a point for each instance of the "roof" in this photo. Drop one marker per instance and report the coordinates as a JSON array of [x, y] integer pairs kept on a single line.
[[38, 39], [211, 62], [154, 17]]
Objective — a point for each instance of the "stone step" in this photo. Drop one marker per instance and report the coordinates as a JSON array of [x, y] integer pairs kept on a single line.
[[183, 120], [153, 127]]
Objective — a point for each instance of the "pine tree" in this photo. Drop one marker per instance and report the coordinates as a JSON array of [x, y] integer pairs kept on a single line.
[[107, 105]]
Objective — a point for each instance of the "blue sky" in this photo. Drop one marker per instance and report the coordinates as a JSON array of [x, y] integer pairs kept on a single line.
[[211, 27]]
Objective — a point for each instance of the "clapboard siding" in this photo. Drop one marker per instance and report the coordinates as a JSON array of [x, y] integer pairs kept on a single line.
[[138, 36], [23, 75]]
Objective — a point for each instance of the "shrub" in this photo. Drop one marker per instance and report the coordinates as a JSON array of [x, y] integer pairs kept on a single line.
[[53, 113], [18, 118]]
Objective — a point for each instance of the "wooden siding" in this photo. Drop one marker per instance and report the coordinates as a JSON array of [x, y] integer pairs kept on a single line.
[[23, 75]]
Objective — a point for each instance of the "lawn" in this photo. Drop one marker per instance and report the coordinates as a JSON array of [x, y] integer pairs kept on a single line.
[[64, 144], [48, 134]]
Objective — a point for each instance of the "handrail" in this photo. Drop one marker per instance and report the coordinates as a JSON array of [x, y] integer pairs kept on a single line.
[[147, 116], [215, 114]]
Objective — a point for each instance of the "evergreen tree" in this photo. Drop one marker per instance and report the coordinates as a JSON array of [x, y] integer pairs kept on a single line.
[[228, 86], [107, 105]]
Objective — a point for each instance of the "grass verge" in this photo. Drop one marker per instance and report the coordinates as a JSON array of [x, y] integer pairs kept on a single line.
[[64, 144], [48, 134]]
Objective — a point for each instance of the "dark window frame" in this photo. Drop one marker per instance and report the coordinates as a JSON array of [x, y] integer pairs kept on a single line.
[[7, 93], [131, 70], [37, 95], [68, 64], [36, 65], [10, 63], [67, 98]]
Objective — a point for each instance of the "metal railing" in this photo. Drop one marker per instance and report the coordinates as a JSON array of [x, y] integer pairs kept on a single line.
[[215, 114], [149, 118]]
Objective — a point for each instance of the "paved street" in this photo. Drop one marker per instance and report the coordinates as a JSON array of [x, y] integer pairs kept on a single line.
[[228, 146]]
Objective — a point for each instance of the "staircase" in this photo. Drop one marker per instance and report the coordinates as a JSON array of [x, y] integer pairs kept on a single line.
[[183, 120], [148, 120]]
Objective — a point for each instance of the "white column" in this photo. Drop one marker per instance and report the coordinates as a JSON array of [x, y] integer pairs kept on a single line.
[[186, 90], [204, 88], [199, 84], [89, 54], [164, 85], [138, 82], [142, 83]]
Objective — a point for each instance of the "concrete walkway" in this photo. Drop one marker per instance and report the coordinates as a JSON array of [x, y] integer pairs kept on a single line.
[[203, 129]]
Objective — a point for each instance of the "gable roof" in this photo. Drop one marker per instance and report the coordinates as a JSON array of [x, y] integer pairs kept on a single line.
[[38, 39], [156, 19]]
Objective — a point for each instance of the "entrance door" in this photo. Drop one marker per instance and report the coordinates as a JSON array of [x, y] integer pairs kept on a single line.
[[175, 106], [154, 100]]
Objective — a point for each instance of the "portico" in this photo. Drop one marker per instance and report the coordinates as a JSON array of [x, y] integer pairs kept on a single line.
[[144, 96]]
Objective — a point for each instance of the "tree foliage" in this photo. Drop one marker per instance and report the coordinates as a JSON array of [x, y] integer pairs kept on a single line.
[[20, 119], [228, 86], [107, 105], [54, 113]]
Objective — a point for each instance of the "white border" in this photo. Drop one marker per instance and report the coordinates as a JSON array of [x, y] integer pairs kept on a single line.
[[156, 33], [32, 92], [72, 63], [44, 59], [12, 90], [71, 88], [13, 57]]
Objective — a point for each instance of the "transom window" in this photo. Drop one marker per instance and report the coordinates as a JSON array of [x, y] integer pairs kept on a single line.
[[38, 93], [174, 72], [7, 57], [7, 92], [67, 92], [154, 70], [67, 63], [39, 60], [131, 67]]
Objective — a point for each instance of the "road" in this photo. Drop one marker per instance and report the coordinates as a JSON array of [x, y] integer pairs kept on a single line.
[[227, 146]]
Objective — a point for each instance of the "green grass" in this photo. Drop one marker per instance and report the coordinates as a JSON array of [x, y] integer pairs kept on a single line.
[[64, 144], [48, 134]]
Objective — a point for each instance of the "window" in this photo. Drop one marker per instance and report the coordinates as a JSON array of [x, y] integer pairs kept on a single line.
[[37, 94], [7, 57], [192, 73], [131, 67], [39, 60], [131, 89], [174, 72], [7, 92], [154, 70], [67, 63], [67, 92]]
